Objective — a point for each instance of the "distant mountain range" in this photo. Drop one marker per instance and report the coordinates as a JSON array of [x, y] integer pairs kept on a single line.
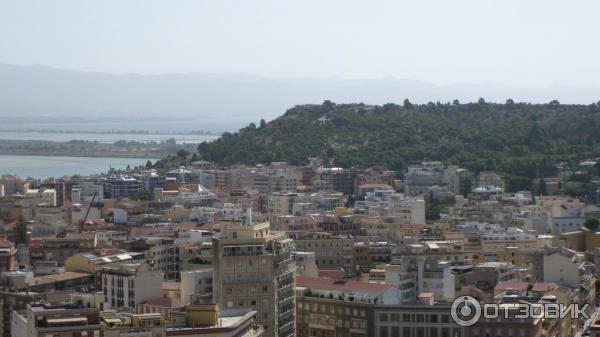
[[44, 94]]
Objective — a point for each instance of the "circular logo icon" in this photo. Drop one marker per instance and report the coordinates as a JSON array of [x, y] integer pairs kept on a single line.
[[465, 311]]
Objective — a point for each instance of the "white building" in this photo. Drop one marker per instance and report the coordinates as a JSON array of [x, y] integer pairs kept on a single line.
[[127, 285], [196, 284]]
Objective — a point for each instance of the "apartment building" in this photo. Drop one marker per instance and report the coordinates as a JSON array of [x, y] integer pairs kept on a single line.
[[60, 248], [254, 269], [126, 285], [330, 250], [121, 187], [329, 308], [425, 318]]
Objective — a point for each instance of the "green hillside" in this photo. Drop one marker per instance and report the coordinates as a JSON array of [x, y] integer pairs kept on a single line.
[[514, 138]]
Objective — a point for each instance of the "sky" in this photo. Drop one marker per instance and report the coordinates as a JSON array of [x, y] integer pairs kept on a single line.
[[515, 42]]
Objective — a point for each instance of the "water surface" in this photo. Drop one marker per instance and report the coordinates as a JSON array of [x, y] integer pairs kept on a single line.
[[45, 167]]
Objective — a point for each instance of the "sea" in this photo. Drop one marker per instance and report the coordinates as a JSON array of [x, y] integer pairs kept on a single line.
[[109, 137], [42, 167], [106, 132]]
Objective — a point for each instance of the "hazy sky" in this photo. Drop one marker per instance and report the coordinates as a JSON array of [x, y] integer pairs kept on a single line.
[[530, 42]]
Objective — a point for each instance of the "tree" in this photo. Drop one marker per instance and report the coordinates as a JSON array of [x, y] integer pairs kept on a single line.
[[542, 188], [510, 102], [554, 103], [481, 101], [148, 164], [407, 104], [182, 153], [592, 223], [142, 196], [455, 102], [328, 105], [262, 123], [21, 230]]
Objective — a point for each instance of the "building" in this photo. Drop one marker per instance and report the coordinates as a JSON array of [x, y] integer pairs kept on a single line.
[[46, 319], [126, 285], [487, 275], [209, 320], [7, 255], [330, 250], [60, 248], [306, 264], [419, 178], [254, 269], [197, 283], [121, 187], [418, 319], [327, 307]]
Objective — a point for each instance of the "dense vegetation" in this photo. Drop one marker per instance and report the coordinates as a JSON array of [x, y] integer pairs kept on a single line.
[[517, 139]]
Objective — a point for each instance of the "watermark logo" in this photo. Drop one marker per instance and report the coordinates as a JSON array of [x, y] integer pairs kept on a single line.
[[467, 311]]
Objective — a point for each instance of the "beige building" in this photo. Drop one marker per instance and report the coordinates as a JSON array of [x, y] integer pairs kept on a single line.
[[254, 269]]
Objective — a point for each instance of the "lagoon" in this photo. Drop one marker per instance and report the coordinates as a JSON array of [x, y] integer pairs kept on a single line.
[[45, 167]]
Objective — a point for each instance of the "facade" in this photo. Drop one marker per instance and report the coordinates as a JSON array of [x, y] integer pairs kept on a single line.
[[7, 255], [121, 187], [330, 250], [415, 320], [197, 283], [419, 178], [60, 248], [254, 269], [328, 308], [127, 285]]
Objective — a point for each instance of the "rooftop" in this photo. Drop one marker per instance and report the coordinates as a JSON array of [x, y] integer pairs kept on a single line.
[[350, 285]]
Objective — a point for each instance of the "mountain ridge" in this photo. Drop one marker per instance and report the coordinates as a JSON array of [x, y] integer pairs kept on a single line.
[[31, 93]]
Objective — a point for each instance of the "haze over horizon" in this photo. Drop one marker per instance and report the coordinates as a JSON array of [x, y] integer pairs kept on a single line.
[[515, 43]]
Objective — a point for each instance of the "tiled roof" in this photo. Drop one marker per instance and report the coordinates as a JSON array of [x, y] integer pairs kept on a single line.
[[330, 284], [519, 286], [544, 287]]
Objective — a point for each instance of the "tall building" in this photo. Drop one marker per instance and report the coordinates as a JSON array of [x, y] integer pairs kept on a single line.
[[254, 269]]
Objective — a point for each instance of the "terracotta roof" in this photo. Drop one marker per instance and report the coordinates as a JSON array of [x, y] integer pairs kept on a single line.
[[544, 287], [330, 284], [187, 224], [6, 243], [331, 273], [519, 286]]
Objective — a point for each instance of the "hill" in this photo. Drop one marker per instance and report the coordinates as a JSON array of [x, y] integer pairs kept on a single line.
[[516, 139]]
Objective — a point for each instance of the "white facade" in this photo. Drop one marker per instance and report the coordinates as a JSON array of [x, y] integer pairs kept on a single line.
[[196, 283], [562, 267], [130, 284]]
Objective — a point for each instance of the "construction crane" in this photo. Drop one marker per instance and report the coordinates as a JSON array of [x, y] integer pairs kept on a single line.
[[87, 213]]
